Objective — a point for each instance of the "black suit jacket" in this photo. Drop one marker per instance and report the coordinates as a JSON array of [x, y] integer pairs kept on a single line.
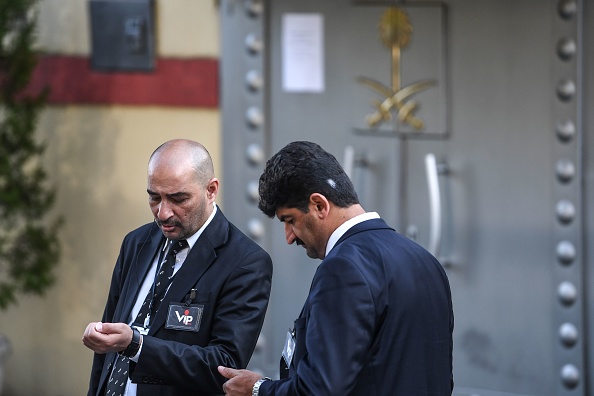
[[232, 275], [378, 321]]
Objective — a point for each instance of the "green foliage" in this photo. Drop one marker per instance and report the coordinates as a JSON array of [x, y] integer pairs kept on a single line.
[[29, 247]]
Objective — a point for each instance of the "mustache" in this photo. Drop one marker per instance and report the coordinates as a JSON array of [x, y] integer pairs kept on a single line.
[[298, 241], [168, 222]]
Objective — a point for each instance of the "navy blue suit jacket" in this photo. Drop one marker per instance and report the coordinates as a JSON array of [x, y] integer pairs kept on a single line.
[[378, 321], [232, 275]]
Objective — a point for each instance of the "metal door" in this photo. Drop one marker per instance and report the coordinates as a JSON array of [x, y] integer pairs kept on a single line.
[[491, 183]]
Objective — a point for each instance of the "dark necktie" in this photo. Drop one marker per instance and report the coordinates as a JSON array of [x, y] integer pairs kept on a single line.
[[119, 374], [162, 281]]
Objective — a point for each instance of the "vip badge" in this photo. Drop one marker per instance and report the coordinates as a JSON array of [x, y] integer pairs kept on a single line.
[[184, 317]]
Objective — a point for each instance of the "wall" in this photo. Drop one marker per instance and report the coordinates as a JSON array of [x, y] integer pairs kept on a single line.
[[96, 156]]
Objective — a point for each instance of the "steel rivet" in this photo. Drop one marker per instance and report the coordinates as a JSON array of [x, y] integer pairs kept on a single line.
[[254, 7], [255, 228], [568, 334], [567, 293], [254, 117], [567, 9], [566, 90], [565, 130], [252, 191], [570, 375], [255, 154], [565, 170], [253, 80], [565, 211], [566, 252], [566, 48], [253, 43]]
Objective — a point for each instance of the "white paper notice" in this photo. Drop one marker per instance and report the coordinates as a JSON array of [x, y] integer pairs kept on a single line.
[[303, 52]]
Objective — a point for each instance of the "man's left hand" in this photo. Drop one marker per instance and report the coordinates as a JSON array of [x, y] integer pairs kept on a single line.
[[107, 337]]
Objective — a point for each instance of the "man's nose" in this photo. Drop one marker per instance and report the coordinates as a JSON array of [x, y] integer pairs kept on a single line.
[[164, 212], [289, 234]]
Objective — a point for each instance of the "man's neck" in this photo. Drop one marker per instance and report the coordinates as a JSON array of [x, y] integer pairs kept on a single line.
[[354, 217], [345, 214]]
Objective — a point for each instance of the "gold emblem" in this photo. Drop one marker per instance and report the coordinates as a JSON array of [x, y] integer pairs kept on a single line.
[[395, 33]]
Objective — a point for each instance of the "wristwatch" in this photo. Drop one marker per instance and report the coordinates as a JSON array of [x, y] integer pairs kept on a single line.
[[134, 345], [256, 388]]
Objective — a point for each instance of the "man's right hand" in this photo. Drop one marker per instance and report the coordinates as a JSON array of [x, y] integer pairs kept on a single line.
[[240, 382]]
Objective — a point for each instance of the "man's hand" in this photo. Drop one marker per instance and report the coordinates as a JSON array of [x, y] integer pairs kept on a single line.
[[240, 382], [107, 337]]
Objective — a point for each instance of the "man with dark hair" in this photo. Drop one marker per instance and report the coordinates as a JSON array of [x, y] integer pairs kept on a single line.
[[189, 291], [378, 319]]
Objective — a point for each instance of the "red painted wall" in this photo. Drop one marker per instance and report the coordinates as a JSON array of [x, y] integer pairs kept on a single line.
[[175, 82]]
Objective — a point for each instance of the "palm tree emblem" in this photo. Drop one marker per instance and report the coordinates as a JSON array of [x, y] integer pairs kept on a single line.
[[395, 33]]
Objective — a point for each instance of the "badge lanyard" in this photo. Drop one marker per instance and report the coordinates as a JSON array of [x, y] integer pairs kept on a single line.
[[160, 263]]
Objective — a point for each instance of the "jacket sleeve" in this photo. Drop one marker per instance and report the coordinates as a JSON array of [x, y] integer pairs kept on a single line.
[[108, 313], [338, 334], [240, 307]]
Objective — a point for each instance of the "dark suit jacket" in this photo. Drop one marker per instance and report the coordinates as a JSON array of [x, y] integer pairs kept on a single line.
[[232, 275], [378, 321]]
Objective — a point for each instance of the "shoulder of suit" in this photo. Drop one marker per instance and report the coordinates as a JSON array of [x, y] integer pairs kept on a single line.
[[144, 232], [372, 224]]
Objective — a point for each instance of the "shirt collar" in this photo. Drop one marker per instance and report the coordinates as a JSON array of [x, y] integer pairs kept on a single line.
[[347, 225]]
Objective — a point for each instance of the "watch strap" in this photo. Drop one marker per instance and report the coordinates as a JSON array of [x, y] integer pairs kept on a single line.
[[256, 388], [134, 345]]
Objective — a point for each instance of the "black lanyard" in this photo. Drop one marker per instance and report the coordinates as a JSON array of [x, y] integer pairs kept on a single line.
[[147, 320]]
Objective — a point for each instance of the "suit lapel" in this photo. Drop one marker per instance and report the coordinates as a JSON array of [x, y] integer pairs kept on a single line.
[[145, 257], [201, 257]]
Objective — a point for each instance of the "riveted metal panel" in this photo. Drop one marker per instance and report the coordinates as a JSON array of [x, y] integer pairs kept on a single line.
[[587, 149], [511, 169], [244, 127], [568, 279]]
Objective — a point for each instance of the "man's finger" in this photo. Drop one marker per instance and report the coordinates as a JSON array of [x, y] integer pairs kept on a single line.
[[109, 328], [228, 372]]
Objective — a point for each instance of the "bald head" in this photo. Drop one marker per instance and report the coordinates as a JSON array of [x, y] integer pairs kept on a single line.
[[182, 154], [181, 187]]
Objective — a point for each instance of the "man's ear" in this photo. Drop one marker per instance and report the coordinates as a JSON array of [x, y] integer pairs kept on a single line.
[[212, 189], [319, 204]]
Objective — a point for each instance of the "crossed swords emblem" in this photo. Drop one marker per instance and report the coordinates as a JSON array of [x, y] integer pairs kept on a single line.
[[395, 31]]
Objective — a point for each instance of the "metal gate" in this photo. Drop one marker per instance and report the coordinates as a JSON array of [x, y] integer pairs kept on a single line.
[[466, 130]]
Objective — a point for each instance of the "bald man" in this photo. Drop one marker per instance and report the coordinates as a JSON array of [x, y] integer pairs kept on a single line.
[[165, 333]]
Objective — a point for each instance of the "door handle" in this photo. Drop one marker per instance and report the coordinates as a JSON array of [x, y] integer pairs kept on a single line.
[[433, 169], [351, 162], [434, 205]]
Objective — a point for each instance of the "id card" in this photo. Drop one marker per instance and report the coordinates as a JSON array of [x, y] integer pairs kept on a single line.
[[183, 317], [289, 348]]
